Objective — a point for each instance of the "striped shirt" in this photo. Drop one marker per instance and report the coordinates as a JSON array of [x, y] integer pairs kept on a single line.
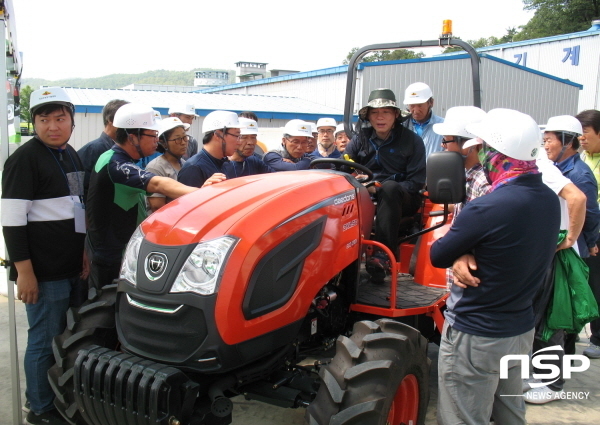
[[40, 187]]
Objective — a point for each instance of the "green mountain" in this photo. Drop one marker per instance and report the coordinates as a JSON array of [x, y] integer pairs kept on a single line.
[[117, 81]]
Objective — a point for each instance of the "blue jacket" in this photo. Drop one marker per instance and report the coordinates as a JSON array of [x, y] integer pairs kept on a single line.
[[512, 232], [334, 154], [432, 140], [248, 167], [581, 175], [199, 168], [275, 160]]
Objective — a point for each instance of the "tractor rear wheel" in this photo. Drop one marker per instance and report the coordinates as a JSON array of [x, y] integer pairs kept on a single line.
[[379, 376], [91, 324]]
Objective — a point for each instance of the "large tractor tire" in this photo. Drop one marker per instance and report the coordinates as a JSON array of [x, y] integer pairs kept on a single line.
[[91, 324], [378, 376]]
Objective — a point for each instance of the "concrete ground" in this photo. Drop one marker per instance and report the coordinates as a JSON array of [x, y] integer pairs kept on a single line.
[[573, 412]]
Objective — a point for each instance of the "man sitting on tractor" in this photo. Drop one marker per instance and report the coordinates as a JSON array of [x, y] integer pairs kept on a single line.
[[396, 155]]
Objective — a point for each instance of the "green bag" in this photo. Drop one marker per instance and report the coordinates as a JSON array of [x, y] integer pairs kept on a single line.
[[573, 304]]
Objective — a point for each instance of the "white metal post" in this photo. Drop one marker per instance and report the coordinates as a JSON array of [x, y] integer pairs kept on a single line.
[[12, 323]]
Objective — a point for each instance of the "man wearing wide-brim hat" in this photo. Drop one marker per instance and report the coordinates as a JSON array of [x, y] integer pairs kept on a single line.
[[396, 155]]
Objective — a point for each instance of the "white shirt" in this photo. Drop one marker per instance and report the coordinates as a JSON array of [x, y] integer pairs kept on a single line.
[[554, 179]]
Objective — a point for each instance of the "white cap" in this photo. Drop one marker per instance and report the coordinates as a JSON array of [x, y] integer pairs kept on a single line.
[[457, 119], [187, 109], [297, 128], [136, 115], [218, 120], [417, 93], [248, 126], [510, 132], [170, 123], [326, 122], [564, 123], [339, 129], [49, 95]]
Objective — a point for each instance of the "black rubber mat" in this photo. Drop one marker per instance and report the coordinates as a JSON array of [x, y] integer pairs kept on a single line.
[[408, 294]]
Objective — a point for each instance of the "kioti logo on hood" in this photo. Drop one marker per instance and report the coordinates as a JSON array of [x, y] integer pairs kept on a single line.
[[156, 264]]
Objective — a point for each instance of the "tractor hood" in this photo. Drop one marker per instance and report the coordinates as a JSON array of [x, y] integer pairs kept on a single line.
[[260, 202], [289, 233]]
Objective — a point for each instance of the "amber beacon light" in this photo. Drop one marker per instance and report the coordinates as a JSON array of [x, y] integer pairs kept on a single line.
[[447, 27]]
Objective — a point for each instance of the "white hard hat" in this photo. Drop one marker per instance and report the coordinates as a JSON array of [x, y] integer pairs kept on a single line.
[[456, 120], [218, 120], [510, 132], [564, 123], [326, 122], [188, 109], [136, 115], [339, 129], [417, 93], [49, 95], [313, 128], [297, 128], [248, 126], [170, 123]]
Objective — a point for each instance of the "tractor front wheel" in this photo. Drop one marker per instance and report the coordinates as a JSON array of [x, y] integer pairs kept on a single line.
[[91, 324], [379, 376]]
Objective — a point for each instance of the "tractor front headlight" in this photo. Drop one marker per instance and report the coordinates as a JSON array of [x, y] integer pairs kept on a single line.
[[201, 273], [132, 252]]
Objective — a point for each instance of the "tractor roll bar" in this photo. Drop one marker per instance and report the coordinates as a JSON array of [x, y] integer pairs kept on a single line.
[[441, 42]]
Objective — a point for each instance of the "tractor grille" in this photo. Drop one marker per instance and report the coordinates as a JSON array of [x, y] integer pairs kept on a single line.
[[165, 337], [113, 388]]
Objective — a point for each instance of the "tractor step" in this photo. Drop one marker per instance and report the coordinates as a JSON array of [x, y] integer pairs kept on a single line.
[[408, 293]]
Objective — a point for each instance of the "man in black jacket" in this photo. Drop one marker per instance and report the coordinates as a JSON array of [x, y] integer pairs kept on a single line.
[[44, 228], [396, 155]]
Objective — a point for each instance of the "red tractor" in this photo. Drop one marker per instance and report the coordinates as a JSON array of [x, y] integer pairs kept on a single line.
[[229, 290]]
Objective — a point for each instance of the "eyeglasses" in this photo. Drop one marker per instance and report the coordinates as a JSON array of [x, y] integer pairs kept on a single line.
[[297, 142], [444, 143], [324, 131], [237, 136], [154, 135], [180, 140]]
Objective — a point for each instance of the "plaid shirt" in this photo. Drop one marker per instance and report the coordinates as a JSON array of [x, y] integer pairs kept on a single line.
[[477, 185]]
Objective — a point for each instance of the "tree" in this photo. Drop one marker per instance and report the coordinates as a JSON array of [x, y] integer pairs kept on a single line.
[[554, 17], [24, 96], [385, 55]]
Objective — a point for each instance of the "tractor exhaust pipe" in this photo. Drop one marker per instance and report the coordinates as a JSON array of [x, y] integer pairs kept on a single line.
[[221, 406]]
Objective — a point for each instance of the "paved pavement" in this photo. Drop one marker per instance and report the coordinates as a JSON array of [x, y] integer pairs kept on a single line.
[[574, 412]]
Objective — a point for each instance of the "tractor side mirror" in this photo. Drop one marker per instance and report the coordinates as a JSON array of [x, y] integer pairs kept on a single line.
[[446, 178]]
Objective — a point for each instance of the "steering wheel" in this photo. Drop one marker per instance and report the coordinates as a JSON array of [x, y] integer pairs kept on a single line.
[[343, 162]]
